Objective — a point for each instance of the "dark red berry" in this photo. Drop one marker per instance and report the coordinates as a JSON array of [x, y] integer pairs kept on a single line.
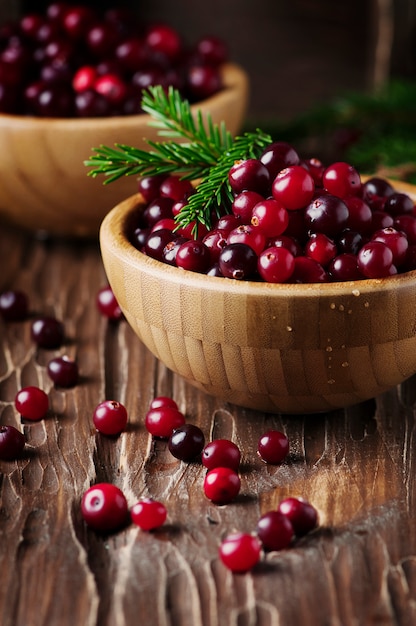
[[107, 304], [240, 552], [341, 179], [249, 175], [273, 446], [14, 306], [375, 260], [186, 442], [160, 401], [148, 514], [222, 485], [276, 264], [48, 332], [238, 261], [293, 187], [110, 417], [32, 403], [275, 531], [221, 453], [278, 156], [12, 442], [302, 515], [63, 371], [104, 507]]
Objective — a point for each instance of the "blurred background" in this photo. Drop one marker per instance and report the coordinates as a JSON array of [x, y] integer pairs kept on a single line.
[[335, 78]]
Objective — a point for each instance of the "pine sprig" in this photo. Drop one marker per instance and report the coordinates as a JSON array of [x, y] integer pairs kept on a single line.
[[206, 151]]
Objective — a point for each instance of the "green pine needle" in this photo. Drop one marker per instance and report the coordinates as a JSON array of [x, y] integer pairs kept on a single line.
[[206, 152]]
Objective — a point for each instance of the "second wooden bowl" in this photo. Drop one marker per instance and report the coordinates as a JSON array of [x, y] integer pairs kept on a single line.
[[270, 347]]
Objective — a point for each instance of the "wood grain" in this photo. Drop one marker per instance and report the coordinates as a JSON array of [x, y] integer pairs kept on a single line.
[[356, 465]]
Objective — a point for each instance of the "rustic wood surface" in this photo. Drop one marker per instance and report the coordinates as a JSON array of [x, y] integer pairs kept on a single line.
[[356, 466]]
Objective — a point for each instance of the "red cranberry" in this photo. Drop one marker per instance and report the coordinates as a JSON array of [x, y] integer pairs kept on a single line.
[[163, 39], [248, 235], [32, 403], [12, 442], [308, 270], [148, 514], [222, 485], [186, 442], [203, 81], [160, 401], [342, 180], [375, 260], [237, 260], [303, 516], [273, 447], [221, 453], [110, 417], [84, 78], [212, 50], [399, 204], [176, 188], [326, 214], [104, 507], [194, 256], [14, 306], [149, 186], [278, 156], [63, 371], [275, 531], [395, 240], [320, 248], [161, 421], [112, 87], [107, 304], [244, 203], [249, 175], [271, 217], [344, 267], [293, 187], [240, 552]]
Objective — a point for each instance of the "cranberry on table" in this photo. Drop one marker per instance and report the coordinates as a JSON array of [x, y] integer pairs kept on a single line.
[[14, 306], [275, 531], [48, 332], [221, 453], [148, 514], [302, 515], [161, 421], [32, 403], [273, 447], [63, 371], [186, 442], [160, 401], [104, 507], [222, 485], [107, 304], [110, 417], [240, 552], [12, 442]]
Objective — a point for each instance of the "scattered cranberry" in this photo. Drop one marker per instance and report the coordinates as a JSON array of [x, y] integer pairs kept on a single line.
[[161, 421], [222, 485], [240, 552], [186, 442], [108, 305], [303, 516], [273, 447], [48, 332], [275, 531], [160, 401], [104, 507], [221, 453], [12, 442], [110, 417], [13, 306], [148, 514], [32, 403], [63, 371]]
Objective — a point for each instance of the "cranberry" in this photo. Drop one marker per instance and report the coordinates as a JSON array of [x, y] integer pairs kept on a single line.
[[14, 306], [212, 50], [275, 531], [238, 260], [112, 87], [276, 264], [77, 20], [222, 485], [375, 191], [271, 217], [107, 304], [395, 240], [101, 39], [240, 552], [104, 507], [156, 243], [32, 403], [148, 514], [244, 203], [84, 78], [12, 442], [320, 248], [158, 209], [302, 515], [149, 186], [194, 256], [278, 156], [186, 442], [349, 242], [110, 417], [249, 175], [341, 179], [203, 81], [215, 241], [375, 260], [308, 270], [48, 332], [162, 421], [221, 453], [163, 39], [406, 224], [344, 267], [273, 447], [293, 187], [160, 401], [326, 214], [359, 214], [63, 371], [399, 204], [248, 235]]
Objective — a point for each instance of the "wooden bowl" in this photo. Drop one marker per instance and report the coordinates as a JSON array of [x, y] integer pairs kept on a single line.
[[271, 347], [44, 182]]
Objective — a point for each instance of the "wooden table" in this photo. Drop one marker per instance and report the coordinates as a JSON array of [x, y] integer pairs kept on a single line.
[[356, 466]]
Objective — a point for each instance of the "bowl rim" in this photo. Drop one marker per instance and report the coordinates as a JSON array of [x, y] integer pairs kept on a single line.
[[234, 76], [113, 237]]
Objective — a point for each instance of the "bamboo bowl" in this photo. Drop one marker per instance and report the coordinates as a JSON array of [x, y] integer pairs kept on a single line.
[[274, 348], [44, 184]]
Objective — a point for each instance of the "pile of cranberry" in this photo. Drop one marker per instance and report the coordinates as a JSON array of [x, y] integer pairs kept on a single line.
[[291, 220], [72, 60]]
